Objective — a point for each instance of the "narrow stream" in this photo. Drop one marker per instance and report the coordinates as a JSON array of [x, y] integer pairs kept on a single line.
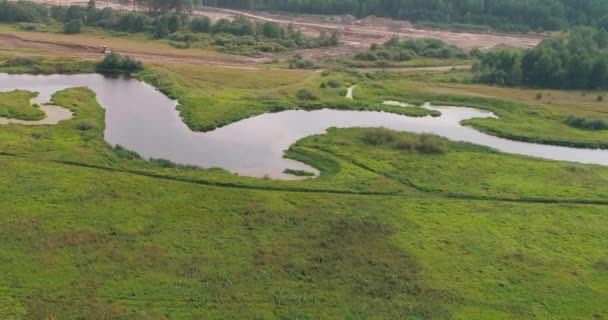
[[144, 120]]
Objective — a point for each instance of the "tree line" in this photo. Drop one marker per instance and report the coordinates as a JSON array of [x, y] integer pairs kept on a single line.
[[517, 15], [511, 15], [576, 60]]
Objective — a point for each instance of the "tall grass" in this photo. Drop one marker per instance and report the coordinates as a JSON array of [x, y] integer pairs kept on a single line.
[[424, 143], [586, 124]]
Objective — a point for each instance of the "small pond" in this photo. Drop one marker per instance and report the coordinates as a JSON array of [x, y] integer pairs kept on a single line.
[[142, 119]]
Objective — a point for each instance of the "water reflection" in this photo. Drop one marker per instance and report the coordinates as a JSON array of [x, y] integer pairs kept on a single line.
[[142, 119]]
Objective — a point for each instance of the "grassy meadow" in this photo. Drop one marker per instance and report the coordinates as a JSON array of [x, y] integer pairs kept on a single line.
[[397, 226], [17, 105]]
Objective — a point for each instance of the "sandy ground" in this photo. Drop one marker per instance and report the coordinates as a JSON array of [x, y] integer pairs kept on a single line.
[[360, 34], [91, 52], [356, 34]]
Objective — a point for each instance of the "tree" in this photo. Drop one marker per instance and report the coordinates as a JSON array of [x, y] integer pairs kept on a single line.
[[272, 30], [72, 27], [578, 60], [202, 24], [115, 63]]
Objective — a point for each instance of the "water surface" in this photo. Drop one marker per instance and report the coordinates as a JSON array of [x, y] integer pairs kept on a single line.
[[144, 120]]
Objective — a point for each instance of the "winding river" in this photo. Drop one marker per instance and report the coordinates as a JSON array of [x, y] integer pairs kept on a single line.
[[142, 119]]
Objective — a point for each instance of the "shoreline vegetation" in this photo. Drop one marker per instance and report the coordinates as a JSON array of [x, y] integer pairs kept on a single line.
[[202, 113]]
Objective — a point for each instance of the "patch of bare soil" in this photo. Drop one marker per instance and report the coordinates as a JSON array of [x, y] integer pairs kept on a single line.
[[357, 34], [364, 32], [80, 50]]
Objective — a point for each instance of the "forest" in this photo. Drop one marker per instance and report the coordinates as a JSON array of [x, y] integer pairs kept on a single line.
[[577, 60], [508, 15], [515, 15]]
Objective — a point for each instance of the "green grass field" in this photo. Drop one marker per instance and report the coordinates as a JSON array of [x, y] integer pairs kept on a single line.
[[394, 228], [16, 105]]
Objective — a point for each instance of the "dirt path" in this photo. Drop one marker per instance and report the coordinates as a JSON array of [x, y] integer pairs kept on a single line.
[[417, 69], [223, 61], [356, 34], [95, 52], [361, 33]]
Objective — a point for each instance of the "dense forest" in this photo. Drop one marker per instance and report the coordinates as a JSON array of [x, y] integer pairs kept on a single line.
[[501, 14], [577, 60]]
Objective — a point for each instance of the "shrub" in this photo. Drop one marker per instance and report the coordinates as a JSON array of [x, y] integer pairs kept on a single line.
[[19, 61], [405, 55], [384, 54], [28, 27], [431, 144], [379, 136], [366, 56], [180, 45], [123, 153], [85, 125], [299, 173], [297, 62], [184, 37], [72, 27], [22, 11], [306, 95], [220, 41], [163, 163], [131, 22], [405, 144], [424, 143], [335, 83], [601, 265], [202, 24], [115, 63], [586, 124], [272, 30]]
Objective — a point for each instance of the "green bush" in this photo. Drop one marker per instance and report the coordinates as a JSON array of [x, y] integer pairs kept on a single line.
[[85, 125], [300, 63], [22, 11], [28, 27], [379, 136], [72, 27], [306, 95], [431, 144], [335, 83], [424, 143], [200, 24], [299, 173], [587, 124], [115, 63], [123, 153]]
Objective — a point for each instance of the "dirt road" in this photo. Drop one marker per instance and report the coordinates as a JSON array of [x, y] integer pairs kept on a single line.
[[379, 28], [224, 61], [96, 52], [356, 34]]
